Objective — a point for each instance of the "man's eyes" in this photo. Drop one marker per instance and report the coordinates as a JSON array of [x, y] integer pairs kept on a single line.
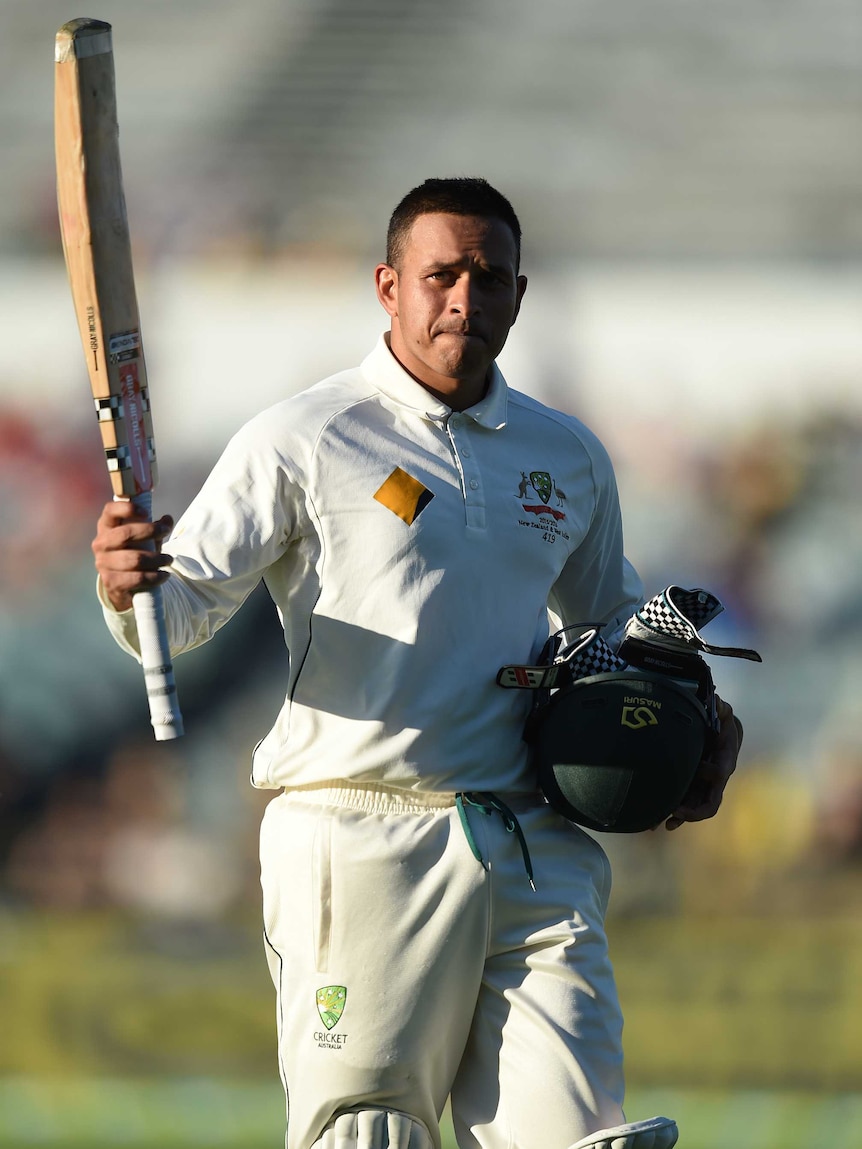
[[487, 278]]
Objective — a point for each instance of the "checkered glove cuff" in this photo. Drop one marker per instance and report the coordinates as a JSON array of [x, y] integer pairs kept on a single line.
[[589, 654], [669, 621], [581, 657], [673, 618]]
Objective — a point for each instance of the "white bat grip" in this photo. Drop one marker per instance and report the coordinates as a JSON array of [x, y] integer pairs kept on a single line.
[[165, 716]]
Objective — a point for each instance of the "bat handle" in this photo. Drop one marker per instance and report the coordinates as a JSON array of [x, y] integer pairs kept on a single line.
[[165, 716]]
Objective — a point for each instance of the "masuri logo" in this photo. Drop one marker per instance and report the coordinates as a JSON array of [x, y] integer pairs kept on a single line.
[[637, 717]]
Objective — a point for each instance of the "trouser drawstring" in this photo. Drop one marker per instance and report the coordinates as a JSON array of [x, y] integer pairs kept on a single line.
[[489, 804]]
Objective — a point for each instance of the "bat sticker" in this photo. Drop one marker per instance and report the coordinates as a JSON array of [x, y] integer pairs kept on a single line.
[[125, 346], [131, 390]]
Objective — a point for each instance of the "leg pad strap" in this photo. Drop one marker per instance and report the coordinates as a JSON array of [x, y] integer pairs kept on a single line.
[[656, 1133], [374, 1129]]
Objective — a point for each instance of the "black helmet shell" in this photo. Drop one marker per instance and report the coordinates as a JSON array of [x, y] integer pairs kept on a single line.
[[617, 752]]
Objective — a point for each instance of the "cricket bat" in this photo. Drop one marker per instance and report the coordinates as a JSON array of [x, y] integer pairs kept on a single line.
[[96, 244]]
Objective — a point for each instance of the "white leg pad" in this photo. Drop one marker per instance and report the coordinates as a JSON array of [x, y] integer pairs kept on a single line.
[[656, 1133], [374, 1129]]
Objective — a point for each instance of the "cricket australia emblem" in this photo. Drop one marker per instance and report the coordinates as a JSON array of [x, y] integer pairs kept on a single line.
[[331, 1000], [542, 484], [549, 510]]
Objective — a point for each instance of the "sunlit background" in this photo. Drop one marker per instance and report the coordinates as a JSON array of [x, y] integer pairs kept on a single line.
[[688, 176]]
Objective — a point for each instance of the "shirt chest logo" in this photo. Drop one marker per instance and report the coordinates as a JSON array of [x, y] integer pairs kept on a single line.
[[543, 485]]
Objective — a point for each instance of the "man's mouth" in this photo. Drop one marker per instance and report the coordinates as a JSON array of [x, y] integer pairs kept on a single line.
[[462, 332]]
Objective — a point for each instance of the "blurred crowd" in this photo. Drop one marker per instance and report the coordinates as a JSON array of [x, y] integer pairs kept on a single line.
[[94, 813]]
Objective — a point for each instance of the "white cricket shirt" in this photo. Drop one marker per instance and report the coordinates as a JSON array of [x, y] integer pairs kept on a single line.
[[411, 551]]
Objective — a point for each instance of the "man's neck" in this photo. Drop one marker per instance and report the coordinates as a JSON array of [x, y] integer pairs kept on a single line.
[[459, 394]]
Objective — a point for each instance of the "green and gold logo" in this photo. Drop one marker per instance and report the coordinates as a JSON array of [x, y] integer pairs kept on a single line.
[[331, 1000], [541, 483]]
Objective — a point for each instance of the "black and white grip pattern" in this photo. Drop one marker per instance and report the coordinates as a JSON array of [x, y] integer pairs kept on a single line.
[[165, 716]]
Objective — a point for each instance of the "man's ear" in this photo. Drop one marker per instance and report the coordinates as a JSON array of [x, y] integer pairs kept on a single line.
[[521, 288], [386, 283]]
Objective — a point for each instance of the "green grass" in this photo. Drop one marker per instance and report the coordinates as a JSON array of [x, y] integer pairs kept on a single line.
[[115, 1034], [710, 1003], [186, 1114]]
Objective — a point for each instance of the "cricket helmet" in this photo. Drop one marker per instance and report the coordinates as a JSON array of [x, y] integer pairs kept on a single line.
[[617, 735], [617, 751]]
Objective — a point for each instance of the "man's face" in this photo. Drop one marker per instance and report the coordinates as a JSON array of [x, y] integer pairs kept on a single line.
[[452, 300]]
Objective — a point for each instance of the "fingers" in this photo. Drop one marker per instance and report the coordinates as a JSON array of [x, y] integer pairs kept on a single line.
[[705, 794], [123, 522], [127, 551], [703, 798]]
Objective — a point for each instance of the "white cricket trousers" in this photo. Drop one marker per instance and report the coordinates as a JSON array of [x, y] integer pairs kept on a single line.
[[406, 969]]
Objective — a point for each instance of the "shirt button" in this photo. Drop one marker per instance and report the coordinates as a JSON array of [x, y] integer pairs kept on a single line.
[[465, 454], [474, 486]]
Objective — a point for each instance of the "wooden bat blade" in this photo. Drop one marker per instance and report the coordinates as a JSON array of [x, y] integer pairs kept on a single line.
[[97, 248]]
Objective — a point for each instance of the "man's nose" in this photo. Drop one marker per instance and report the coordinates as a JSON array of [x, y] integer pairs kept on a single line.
[[464, 297]]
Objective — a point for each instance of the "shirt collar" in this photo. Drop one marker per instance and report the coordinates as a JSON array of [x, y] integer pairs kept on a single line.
[[382, 369]]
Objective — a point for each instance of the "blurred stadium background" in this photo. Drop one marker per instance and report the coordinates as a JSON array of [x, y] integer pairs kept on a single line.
[[688, 177]]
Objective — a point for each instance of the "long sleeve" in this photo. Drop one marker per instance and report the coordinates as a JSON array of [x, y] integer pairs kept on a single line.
[[240, 524]]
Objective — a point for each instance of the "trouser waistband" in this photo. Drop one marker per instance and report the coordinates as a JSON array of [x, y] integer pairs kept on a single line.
[[380, 798]]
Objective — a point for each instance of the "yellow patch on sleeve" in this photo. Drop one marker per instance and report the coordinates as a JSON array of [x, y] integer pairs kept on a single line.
[[405, 496]]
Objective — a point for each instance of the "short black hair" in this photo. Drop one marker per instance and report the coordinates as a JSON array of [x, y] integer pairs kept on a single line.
[[459, 195]]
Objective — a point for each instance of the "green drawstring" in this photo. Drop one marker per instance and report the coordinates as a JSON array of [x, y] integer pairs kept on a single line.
[[489, 803]]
